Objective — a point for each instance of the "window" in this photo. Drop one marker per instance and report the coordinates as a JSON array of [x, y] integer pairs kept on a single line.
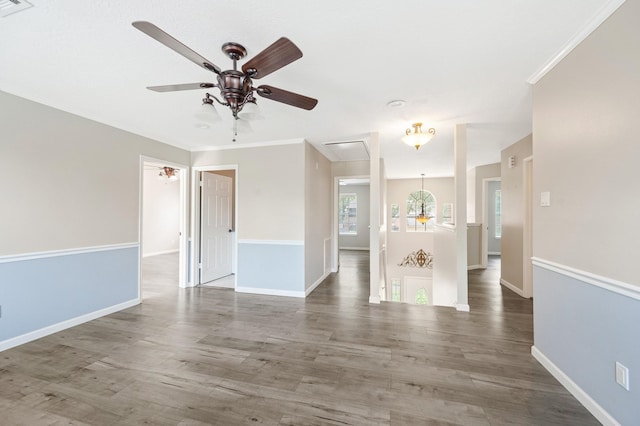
[[415, 203], [348, 214], [395, 217], [421, 296], [396, 296], [498, 214]]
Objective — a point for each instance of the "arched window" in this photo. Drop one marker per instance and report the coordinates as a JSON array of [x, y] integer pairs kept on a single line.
[[421, 202]]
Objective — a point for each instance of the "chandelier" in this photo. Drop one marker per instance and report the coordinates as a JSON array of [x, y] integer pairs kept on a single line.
[[422, 218], [417, 137]]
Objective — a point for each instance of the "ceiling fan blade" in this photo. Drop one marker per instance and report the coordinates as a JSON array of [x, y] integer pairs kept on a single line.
[[177, 87], [154, 32], [286, 97], [274, 57]]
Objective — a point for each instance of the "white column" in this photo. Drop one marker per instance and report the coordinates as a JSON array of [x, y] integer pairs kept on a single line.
[[460, 212], [374, 219]]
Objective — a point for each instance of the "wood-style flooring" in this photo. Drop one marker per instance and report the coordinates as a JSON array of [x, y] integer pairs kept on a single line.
[[212, 356]]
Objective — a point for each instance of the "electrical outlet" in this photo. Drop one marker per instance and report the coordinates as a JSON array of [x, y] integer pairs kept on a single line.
[[622, 375]]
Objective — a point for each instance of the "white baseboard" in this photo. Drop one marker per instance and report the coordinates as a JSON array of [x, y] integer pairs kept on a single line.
[[37, 334], [158, 253], [494, 253], [462, 308], [472, 267], [316, 284], [374, 299], [594, 408], [512, 287], [270, 291]]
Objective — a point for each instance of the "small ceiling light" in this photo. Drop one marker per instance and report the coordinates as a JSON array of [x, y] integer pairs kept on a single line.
[[418, 137], [169, 172], [398, 103]]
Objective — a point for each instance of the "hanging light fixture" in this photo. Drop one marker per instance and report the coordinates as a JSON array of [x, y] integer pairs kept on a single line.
[[417, 137], [169, 172], [422, 217]]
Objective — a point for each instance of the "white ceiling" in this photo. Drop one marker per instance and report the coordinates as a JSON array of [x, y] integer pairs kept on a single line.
[[464, 61]]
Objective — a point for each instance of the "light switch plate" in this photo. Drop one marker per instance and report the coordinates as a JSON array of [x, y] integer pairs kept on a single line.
[[545, 199], [622, 375]]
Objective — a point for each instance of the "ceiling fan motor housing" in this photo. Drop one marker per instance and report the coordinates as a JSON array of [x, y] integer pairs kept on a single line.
[[235, 88]]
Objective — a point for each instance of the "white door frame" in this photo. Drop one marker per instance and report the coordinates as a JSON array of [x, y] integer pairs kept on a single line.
[[484, 252], [195, 221], [335, 250], [527, 240], [182, 242]]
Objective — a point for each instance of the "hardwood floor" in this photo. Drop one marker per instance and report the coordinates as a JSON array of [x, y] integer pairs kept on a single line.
[[212, 356]]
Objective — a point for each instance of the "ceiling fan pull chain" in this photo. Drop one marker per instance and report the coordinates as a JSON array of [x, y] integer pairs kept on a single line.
[[235, 129]]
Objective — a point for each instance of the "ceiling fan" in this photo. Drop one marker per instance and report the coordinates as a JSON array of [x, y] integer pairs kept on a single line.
[[236, 86]]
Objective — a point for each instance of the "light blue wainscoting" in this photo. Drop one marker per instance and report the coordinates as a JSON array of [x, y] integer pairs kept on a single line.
[[43, 294], [271, 267], [581, 328]]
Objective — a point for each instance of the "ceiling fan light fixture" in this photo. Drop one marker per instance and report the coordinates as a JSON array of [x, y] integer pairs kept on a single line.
[[417, 137], [207, 112], [236, 85], [251, 111]]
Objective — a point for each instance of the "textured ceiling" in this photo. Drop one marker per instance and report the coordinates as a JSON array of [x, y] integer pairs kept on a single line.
[[451, 61]]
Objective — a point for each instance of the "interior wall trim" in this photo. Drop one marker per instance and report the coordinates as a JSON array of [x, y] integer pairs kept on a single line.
[[274, 242], [270, 291], [511, 287], [65, 252], [316, 284], [622, 288], [594, 408], [250, 145], [601, 15], [46, 331]]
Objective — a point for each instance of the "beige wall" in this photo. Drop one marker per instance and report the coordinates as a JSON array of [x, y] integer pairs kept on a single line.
[[271, 188], [513, 211], [69, 182], [350, 168], [318, 212], [586, 152]]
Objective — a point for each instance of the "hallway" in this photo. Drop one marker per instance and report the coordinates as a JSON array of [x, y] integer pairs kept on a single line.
[[212, 356]]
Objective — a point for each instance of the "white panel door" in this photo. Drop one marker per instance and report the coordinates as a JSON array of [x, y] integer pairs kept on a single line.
[[216, 227]]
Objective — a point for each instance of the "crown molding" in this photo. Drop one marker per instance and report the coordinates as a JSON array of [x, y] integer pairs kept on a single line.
[[601, 15]]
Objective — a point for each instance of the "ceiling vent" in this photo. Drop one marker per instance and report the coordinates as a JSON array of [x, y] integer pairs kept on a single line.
[[348, 150], [8, 7]]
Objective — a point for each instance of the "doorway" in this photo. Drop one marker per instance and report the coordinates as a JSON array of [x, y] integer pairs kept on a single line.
[[214, 219], [351, 214], [527, 240], [491, 219], [162, 222]]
